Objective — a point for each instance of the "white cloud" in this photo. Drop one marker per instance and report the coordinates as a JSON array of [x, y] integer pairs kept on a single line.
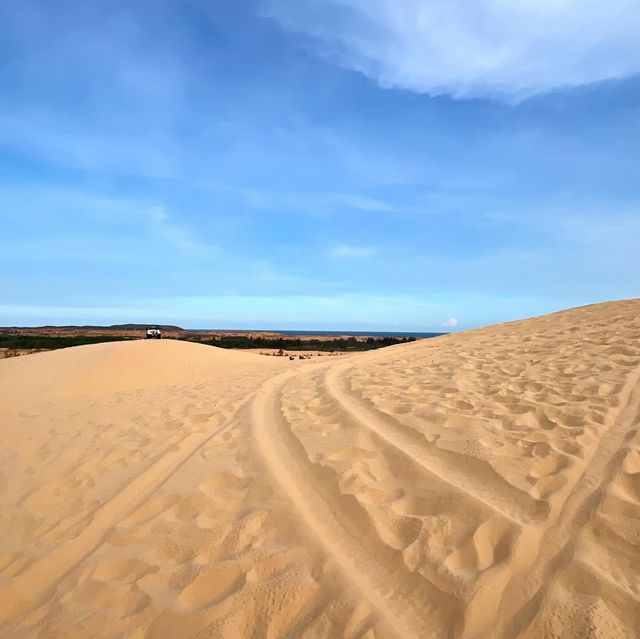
[[314, 202], [348, 251], [98, 219], [452, 322], [468, 48], [160, 225]]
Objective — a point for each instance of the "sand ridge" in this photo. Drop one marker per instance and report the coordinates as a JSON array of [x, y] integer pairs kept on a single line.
[[483, 484]]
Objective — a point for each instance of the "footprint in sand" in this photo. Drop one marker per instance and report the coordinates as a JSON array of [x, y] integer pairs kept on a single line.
[[212, 586], [122, 570]]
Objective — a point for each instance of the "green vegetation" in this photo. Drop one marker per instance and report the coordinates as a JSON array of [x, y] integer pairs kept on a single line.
[[297, 344], [50, 342]]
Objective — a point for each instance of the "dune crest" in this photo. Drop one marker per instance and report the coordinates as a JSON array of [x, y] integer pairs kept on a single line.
[[482, 484]]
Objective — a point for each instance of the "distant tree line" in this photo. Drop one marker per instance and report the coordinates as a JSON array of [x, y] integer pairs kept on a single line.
[[298, 344], [50, 342]]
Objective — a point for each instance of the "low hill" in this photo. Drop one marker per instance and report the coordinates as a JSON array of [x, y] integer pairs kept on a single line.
[[118, 366]]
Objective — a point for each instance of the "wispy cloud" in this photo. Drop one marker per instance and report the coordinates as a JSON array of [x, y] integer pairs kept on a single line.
[[508, 48], [160, 224], [451, 322], [316, 203], [102, 226], [348, 251]]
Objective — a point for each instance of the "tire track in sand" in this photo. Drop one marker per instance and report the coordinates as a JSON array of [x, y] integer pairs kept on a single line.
[[472, 477], [410, 605], [34, 584], [526, 591]]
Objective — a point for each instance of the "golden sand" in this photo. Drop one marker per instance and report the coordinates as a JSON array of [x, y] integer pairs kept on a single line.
[[483, 484]]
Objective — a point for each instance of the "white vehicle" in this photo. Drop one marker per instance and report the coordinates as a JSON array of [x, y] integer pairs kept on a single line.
[[153, 332]]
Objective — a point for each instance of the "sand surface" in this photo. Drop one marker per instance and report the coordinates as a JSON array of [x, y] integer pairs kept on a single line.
[[484, 484]]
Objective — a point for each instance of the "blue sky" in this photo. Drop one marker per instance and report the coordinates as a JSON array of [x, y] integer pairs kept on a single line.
[[378, 164]]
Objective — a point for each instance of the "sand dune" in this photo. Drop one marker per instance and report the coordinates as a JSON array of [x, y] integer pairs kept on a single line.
[[483, 484]]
